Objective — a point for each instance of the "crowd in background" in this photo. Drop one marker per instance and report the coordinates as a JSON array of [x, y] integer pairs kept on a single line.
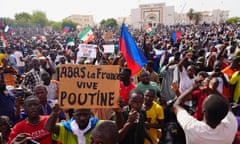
[[184, 94]]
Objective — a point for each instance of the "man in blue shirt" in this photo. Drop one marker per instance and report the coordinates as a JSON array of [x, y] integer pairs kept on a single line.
[[7, 102]]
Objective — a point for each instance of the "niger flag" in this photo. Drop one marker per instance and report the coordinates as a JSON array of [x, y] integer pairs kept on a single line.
[[86, 35]]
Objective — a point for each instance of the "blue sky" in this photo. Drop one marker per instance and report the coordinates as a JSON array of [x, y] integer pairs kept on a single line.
[[102, 9]]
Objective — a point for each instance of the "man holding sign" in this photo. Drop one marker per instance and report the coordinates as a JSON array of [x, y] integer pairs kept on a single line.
[[83, 87], [75, 131], [88, 86]]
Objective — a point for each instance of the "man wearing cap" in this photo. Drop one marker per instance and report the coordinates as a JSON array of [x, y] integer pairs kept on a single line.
[[201, 65]]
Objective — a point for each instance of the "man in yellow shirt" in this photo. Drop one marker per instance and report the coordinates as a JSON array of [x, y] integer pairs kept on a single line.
[[154, 114], [235, 79], [2, 55]]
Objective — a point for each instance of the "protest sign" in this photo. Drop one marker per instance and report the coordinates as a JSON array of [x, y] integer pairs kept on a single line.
[[108, 36], [87, 50], [109, 48], [88, 86], [9, 79]]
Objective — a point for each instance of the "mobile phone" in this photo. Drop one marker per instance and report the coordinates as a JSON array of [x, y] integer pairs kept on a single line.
[[32, 142]]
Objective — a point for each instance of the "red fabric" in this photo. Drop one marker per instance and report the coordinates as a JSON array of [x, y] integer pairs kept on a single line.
[[226, 92], [125, 90], [238, 133], [214, 49], [224, 65], [37, 132], [178, 35], [199, 96], [237, 138]]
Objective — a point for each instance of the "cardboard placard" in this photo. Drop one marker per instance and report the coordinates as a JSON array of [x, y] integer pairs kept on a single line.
[[9, 79], [108, 35], [88, 86]]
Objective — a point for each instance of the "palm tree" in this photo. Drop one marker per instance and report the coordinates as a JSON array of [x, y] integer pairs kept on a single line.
[[197, 17], [190, 14]]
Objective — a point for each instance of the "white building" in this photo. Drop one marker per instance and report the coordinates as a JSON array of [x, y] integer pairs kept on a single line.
[[82, 20], [159, 13], [215, 16], [156, 13]]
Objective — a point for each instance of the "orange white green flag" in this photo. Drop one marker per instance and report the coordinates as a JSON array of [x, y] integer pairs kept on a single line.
[[4, 41], [87, 35], [148, 29]]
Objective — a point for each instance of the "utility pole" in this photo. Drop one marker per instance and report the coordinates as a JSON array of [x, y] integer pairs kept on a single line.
[[181, 13]]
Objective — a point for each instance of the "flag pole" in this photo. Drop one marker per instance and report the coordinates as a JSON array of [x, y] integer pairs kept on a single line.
[[124, 19]]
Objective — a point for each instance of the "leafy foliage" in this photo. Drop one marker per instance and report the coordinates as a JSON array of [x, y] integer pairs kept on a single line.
[[9, 21], [55, 25], [39, 19], [233, 20], [109, 23], [190, 14], [23, 19], [196, 16], [69, 23]]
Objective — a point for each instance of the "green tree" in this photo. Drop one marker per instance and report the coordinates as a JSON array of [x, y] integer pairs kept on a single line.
[[102, 23], [233, 20], [70, 23], [9, 21], [190, 14], [39, 18], [23, 19], [109, 23], [55, 25]]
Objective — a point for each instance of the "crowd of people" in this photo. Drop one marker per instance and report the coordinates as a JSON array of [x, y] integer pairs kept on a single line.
[[187, 92]]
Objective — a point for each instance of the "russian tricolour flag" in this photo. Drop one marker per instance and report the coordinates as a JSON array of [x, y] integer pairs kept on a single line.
[[176, 36], [1, 23], [133, 55], [66, 29]]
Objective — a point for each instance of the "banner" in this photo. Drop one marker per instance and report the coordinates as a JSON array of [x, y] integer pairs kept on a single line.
[[88, 86], [87, 50]]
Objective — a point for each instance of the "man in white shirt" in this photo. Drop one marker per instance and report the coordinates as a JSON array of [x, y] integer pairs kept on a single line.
[[50, 85], [218, 127], [19, 59], [187, 77], [222, 78]]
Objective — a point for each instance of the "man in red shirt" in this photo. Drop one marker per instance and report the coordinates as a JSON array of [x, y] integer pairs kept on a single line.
[[126, 85], [31, 128]]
